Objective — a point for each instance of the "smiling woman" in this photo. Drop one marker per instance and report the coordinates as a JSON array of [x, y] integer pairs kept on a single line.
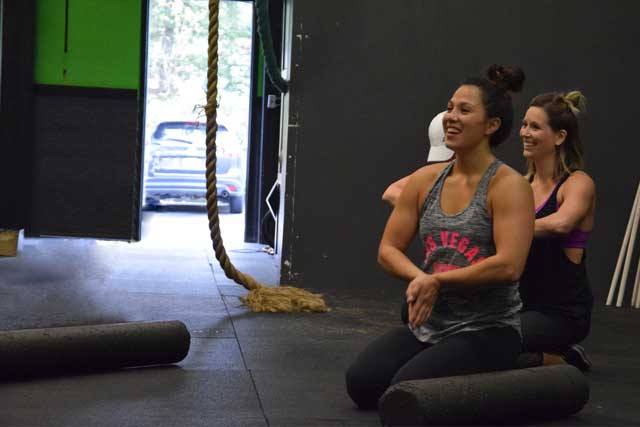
[[495, 91], [554, 286], [475, 216], [551, 126]]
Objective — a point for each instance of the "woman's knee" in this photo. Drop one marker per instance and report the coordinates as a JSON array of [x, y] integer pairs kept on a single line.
[[409, 375], [582, 331], [369, 375], [552, 333], [362, 386], [544, 332]]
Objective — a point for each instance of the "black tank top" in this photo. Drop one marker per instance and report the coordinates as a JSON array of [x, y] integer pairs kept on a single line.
[[551, 281]]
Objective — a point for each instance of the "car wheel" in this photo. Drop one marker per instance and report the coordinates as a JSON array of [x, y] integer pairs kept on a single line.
[[236, 204]]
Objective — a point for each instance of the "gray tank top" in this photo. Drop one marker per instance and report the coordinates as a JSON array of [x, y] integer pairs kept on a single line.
[[460, 240]]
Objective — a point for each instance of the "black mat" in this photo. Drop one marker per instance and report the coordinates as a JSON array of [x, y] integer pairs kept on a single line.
[[244, 369]]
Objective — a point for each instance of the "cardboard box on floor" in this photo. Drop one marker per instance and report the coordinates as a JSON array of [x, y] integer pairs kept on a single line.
[[8, 242]]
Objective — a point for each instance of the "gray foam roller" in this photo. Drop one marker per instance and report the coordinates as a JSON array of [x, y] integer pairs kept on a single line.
[[506, 397], [30, 352]]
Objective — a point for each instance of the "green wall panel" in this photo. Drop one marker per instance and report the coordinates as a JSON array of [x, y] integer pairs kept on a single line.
[[103, 44], [49, 50]]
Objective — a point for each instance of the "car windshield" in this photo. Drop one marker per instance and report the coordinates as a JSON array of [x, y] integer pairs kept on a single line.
[[189, 132], [183, 131]]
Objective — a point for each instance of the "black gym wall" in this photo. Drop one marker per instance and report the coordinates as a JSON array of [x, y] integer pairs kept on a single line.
[[16, 83], [368, 76]]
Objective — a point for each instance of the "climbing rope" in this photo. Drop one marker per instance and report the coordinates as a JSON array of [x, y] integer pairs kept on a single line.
[[260, 298]]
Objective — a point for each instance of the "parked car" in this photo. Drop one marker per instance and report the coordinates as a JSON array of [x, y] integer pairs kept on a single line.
[[176, 165]]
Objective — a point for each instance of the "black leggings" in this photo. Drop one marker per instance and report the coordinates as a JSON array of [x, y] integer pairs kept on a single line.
[[549, 332], [399, 356]]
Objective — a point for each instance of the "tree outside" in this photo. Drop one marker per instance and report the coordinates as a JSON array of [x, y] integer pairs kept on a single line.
[[177, 63]]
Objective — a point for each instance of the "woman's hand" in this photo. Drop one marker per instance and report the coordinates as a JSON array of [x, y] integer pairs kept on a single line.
[[422, 293]]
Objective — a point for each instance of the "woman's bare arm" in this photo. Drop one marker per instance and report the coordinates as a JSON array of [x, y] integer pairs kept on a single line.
[[402, 226], [392, 193], [579, 192]]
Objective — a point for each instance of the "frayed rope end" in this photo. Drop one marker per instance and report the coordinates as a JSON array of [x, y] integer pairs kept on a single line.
[[283, 299]]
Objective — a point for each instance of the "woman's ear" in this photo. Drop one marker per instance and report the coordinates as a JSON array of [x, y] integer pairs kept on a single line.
[[493, 125], [561, 136]]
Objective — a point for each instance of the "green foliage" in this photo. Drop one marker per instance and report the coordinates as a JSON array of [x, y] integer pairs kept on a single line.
[[177, 66], [178, 46]]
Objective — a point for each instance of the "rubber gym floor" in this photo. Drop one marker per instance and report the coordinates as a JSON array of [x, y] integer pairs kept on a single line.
[[243, 369]]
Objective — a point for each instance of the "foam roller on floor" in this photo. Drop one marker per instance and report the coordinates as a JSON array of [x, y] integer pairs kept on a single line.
[[506, 397], [47, 351]]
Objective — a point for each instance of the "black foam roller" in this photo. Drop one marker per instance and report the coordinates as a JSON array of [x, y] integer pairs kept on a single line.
[[506, 397], [30, 352]]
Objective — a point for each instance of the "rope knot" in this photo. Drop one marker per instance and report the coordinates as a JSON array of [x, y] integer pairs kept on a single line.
[[208, 109]]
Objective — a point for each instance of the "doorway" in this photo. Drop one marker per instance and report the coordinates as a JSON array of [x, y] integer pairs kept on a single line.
[[176, 79]]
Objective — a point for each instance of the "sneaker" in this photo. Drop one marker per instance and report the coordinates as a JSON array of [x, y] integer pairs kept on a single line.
[[577, 357]]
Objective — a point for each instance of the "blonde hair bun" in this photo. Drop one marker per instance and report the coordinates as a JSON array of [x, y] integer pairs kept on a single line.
[[576, 101]]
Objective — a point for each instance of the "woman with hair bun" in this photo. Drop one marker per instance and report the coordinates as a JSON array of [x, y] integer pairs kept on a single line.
[[475, 217], [554, 287], [511, 78]]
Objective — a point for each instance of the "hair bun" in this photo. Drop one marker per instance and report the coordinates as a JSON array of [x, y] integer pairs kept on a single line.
[[576, 101], [509, 78]]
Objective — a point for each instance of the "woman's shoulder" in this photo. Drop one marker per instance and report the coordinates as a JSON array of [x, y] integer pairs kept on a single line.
[[581, 177], [507, 176], [422, 181], [509, 187], [578, 181], [429, 172]]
